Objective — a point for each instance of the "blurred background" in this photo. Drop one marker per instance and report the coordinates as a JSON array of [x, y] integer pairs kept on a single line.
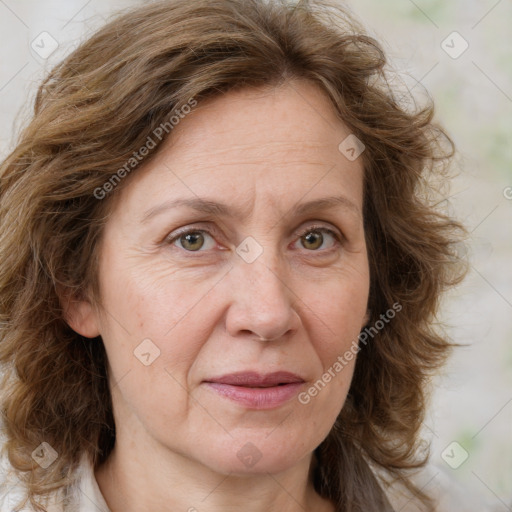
[[461, 52]]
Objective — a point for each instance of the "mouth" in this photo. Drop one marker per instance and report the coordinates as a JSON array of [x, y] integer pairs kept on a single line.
[[257, 391]]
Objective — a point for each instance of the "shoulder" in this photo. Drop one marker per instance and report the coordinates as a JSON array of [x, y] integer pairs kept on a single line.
[[13, 493], [448, 494], [82, 496]]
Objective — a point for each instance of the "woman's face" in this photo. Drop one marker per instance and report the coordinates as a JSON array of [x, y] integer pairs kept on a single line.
[[247, 176]]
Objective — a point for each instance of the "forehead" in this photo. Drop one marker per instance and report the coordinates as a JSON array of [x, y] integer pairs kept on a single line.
[[265, 121], [277, 145]]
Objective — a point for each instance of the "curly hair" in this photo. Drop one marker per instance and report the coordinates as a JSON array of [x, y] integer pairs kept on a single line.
[[105, 99]]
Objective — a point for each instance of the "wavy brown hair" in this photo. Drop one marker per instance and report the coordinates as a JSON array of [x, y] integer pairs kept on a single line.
[[97, 107]]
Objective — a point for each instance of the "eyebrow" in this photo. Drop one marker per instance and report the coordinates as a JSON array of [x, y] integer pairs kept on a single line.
[[209, 206]]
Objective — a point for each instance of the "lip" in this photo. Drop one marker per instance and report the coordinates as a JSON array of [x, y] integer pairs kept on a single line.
[[255, 390]]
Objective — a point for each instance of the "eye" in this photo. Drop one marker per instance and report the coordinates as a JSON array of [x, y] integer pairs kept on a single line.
[[314, 237], [196, 240], [192, 240]]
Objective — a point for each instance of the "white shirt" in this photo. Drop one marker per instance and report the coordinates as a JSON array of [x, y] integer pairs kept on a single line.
[[84, 495]]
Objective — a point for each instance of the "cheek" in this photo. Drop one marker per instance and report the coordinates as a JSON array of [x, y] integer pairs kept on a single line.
[[154, 325], [337, 314], [147, 303], [338, 311], [153, 336]]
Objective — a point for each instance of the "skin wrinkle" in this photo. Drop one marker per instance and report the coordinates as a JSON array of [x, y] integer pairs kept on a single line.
[[290, 296], [63, 180], [216, 208]]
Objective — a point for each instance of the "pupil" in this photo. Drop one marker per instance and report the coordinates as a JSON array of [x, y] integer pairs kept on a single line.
[[191, 239], [310, 238]]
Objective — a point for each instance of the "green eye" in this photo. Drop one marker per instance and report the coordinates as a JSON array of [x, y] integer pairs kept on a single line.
[[192, 240], [200, 240], [313, 238]]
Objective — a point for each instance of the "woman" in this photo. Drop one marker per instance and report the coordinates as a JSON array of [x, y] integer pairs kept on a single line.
[[221, 264]]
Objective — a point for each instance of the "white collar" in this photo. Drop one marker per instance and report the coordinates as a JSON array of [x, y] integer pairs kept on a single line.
[[89, 495]]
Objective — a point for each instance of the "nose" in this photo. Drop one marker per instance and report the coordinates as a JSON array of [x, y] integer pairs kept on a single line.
[[262, 303]]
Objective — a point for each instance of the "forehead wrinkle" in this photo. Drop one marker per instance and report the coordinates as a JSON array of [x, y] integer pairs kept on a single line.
[[219, 209], [197, 143]]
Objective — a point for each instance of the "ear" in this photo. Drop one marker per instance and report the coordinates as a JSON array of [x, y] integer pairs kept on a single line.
[[79, 314]]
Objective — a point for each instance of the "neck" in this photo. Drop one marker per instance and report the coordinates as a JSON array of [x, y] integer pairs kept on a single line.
[[160, 480]]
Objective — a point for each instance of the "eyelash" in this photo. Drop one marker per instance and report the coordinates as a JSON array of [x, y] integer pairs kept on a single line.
[[337, 237]]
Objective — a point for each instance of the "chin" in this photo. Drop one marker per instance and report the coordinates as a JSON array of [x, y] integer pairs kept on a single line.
[[253, 454]]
